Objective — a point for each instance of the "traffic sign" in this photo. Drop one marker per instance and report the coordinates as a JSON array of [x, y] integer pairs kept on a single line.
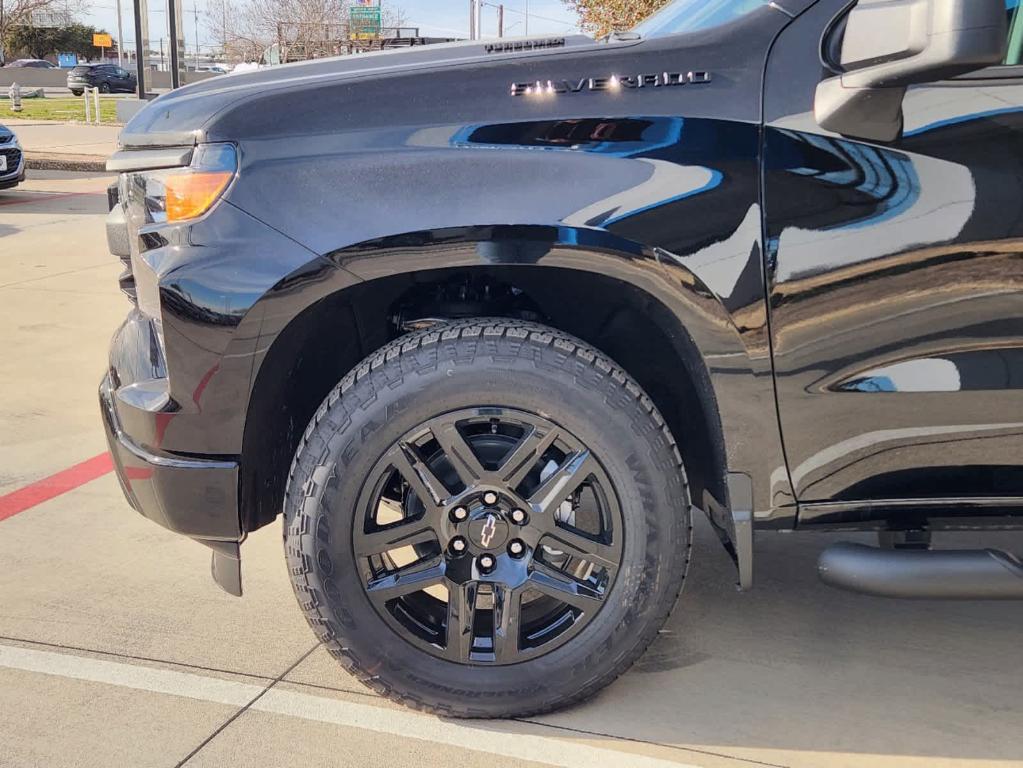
[[364, 22]]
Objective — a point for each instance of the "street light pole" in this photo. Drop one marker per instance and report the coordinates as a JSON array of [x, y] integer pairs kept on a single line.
[[141, 44], [120, 36], [527, 18], [173, 17]]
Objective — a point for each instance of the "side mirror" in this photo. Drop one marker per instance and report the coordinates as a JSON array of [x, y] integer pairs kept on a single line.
[[891, 44]]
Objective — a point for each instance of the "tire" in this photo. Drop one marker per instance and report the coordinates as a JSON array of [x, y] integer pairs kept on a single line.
[[542, 382], [104, 87], [75, 93]]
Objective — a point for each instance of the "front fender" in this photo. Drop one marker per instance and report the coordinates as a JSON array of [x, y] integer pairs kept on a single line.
[[736, 366]]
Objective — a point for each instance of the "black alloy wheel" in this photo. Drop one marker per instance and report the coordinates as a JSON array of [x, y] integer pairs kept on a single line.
[[487, 518], [508, 537]]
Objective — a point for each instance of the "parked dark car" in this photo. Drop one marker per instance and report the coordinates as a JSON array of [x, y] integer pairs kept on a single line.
[[12, 159], [31, 64], [486, 323], [109, 78]]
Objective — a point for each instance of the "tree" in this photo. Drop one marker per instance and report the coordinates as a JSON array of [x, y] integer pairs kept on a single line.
[[604, 16], [77, 38], [37, 42], [304, 28], [33, 13], [40, 42]]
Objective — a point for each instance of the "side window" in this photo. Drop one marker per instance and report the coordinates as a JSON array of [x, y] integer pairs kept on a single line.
[[1014, 57]]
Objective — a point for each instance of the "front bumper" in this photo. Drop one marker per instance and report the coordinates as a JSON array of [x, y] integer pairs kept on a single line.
[[194, 497], [175, 397], [16, 174]]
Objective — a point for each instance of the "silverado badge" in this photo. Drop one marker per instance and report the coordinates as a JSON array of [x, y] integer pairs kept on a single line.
[[611, 83]]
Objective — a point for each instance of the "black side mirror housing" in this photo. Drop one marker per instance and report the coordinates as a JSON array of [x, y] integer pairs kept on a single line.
[[892, 44]]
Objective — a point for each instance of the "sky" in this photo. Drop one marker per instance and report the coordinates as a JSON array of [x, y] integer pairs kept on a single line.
[[435, 18]]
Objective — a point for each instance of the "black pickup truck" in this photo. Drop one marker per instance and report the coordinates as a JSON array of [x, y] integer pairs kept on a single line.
[[487, 322]]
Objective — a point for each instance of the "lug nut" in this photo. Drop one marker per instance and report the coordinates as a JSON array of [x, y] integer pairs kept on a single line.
[[458, 545], [460, 514], [487, 563], [518, 516], [489, 497], [516, 548]]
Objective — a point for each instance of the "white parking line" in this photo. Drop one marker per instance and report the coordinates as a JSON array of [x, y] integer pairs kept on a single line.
[[480, 737]]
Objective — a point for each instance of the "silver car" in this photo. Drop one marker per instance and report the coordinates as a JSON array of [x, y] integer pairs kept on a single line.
[[12, 159]]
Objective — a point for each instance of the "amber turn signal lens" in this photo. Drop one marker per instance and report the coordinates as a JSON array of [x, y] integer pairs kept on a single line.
[[192, 193]]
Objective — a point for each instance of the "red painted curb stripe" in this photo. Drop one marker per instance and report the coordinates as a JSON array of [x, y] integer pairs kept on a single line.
[[54, 485]]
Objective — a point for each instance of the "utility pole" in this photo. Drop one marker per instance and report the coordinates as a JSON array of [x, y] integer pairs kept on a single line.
[[472, 19], [141, 16], [173, 17], [195, 15], [120, 35], [479, 19], [500, 20], [527, 18]]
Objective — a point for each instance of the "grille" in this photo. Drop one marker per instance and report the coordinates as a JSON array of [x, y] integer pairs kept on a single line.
[[118, 242], [13, 159]]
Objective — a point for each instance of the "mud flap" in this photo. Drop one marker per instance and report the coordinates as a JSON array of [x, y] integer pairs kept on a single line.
[[226, 567], [734, 524]]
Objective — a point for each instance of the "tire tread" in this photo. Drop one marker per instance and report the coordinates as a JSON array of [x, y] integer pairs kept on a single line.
[[302, 496]]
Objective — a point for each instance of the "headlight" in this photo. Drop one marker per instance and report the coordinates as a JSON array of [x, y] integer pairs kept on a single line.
[[178, 194]]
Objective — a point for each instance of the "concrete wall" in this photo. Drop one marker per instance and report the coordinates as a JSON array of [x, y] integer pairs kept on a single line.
[[27, 77]]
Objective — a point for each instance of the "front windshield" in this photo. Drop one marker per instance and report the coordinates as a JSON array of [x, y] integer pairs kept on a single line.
[[694, 15]]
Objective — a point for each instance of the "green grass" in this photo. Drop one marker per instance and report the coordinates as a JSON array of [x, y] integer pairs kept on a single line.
[[71, 108]]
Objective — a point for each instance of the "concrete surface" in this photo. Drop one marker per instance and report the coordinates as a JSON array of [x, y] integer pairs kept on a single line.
[[117, 649], [78, 146]]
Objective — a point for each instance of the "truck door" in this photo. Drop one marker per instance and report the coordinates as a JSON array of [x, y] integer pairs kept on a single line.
[[895, 277]]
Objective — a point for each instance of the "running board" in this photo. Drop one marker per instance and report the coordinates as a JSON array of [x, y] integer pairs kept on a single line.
[[967, 574]]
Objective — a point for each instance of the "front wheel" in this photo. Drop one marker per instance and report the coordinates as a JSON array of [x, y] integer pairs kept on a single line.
[[486, 519], [104, 87]]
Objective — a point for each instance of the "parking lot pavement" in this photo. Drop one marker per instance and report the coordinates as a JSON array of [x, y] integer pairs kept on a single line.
[[49, 142], [59, 299], [117, 649], [71, 138]]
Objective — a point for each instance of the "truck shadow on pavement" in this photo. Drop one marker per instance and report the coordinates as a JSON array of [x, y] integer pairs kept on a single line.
[[795, 667]]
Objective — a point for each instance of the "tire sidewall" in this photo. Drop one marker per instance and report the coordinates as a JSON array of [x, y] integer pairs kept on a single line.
[[426, 381]]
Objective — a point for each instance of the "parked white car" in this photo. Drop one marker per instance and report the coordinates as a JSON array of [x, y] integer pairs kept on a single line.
[[12, 159]]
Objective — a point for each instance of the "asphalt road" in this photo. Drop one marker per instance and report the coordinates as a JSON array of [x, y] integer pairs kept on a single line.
[[116, 648]]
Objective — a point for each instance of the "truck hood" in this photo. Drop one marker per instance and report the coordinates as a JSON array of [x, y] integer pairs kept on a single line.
[[180, 117]]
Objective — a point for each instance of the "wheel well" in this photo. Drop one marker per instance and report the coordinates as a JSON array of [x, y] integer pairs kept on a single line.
[[331, 337]]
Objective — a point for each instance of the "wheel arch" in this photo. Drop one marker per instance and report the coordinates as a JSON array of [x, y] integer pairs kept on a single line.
[[666, 328]]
